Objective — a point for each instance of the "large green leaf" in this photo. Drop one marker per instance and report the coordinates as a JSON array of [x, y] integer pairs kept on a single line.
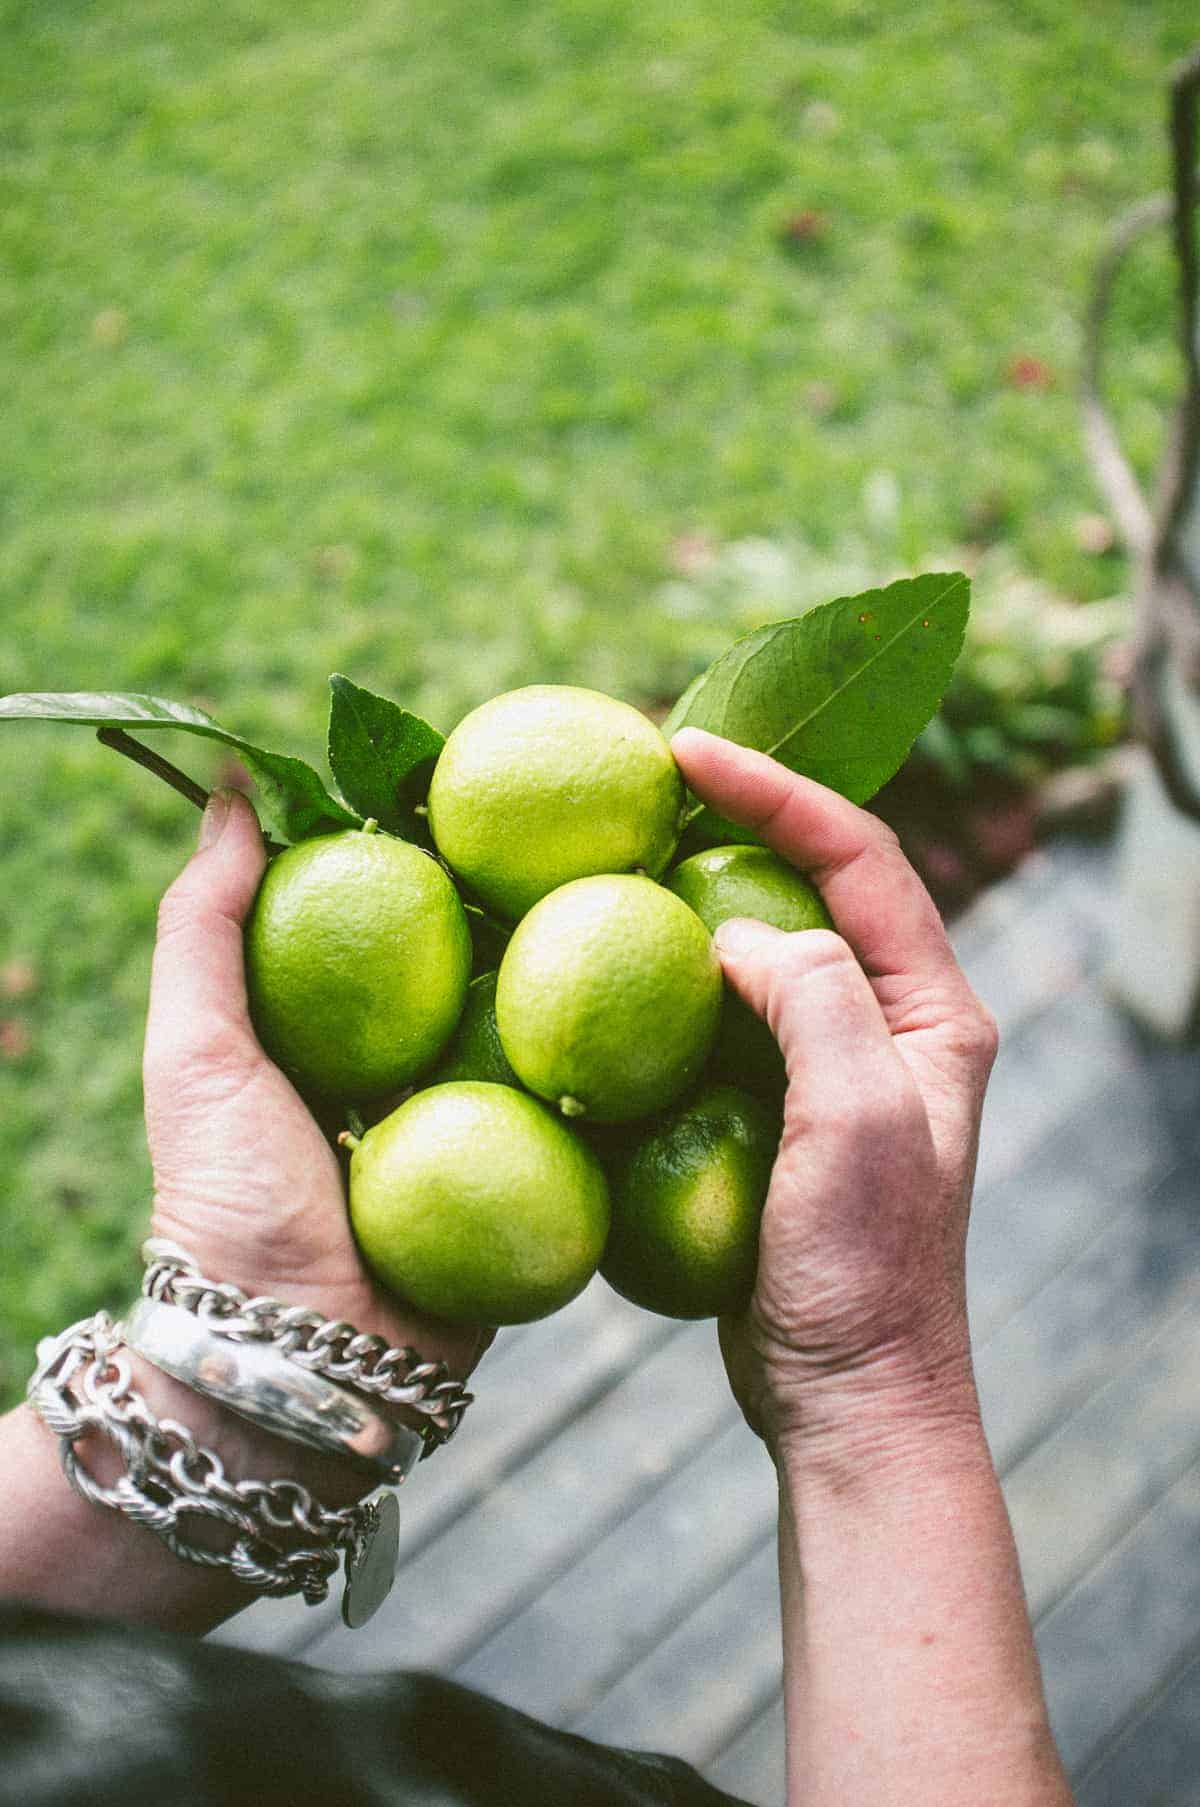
[[380, 754], [839, 693], [293, 801]]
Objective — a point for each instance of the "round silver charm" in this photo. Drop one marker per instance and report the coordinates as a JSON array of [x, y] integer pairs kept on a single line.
[[371, 1564]]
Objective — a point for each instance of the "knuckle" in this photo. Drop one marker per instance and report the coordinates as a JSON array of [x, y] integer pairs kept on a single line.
[[207, 1058], [814, 950], [805, 956], [174, 912], [987, 1035], [976, 1035], [885, 837], [164, 1067]]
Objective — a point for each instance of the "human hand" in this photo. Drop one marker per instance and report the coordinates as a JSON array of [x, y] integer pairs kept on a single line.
[[244, 1178], [861, 1281]]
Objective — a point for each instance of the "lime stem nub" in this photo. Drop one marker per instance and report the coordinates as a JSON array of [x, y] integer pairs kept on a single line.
[[348, 1139], [371, 825], [571, 1107]]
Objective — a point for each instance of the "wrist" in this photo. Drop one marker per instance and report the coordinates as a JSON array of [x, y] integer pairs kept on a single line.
[[246, 1450], [172, 1508], [889, 1412]]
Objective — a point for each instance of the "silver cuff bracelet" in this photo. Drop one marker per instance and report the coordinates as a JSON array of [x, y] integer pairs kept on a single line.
[[261, 1384], [353, 1359]]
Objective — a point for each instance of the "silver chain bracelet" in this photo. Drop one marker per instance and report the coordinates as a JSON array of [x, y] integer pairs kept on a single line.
[[327, 1346], [83, 1385]]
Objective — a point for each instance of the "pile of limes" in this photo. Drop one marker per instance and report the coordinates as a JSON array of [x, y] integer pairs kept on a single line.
[[598, 1100]]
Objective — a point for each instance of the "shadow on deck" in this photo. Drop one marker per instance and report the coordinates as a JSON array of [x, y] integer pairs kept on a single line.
[[597, 1547]]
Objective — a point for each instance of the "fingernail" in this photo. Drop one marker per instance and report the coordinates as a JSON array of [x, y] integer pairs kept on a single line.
[[741, 935], [216, 814]]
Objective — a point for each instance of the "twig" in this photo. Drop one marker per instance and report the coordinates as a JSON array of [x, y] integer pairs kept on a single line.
[[120, 742], [1114, 473], [1184, 493], [123, 743], [1170, 629]]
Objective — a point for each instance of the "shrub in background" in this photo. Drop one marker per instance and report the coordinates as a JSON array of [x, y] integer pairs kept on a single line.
[[1037, 687]]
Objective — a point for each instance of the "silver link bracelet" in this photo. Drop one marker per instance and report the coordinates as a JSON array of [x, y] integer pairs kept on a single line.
[[83, 1384], [327, 1346]]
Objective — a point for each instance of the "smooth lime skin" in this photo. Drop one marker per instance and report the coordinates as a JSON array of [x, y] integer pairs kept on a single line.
[[552, 783], [358, 956], [475, 1051], [608, 998], [475, 1202], [687, 1195], [747, 881]]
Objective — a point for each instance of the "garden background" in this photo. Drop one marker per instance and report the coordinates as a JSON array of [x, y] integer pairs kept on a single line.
[[462, 346]]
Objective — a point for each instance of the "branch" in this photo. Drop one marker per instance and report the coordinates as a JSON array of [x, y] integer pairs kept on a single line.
[[123, 743], [1184, 483], [1113, 471]]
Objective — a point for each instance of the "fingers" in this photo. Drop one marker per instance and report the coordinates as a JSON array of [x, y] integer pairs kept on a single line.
[[197, 985], [875, 898], [821, 1010]]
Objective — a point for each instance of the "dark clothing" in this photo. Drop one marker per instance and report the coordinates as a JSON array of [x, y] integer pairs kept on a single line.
[[95, 1714]]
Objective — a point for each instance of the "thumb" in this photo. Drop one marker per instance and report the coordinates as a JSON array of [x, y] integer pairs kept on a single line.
[[817, 1002], [197, 984]]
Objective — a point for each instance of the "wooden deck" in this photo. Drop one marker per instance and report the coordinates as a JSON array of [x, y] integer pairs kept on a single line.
[[597, 1547]]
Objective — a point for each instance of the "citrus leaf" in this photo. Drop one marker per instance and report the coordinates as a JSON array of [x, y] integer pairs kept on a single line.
[[293, 801], [380, 754], [840, 693]]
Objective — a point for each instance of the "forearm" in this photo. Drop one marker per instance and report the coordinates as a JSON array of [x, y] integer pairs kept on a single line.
[[60, 1551], [910, 1670]]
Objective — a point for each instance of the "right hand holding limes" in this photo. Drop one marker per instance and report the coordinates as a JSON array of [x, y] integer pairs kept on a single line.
[[861, 1256]]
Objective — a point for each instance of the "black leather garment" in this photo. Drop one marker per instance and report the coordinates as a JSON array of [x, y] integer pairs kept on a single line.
[[95, 1714]]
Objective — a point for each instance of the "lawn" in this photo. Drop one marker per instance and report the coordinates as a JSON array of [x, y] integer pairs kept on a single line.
[[427, 343]]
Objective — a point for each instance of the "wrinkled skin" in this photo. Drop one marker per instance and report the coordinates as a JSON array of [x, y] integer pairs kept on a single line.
[[861, 1269]]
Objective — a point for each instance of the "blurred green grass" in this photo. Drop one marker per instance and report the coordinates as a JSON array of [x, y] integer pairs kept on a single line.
[[412, 342]]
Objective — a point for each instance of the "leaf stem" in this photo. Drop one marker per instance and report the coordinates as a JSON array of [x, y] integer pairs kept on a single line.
[[120, 742]]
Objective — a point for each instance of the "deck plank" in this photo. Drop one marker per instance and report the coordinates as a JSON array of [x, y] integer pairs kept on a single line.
[[1154, 1763], [753, 1766], [1078, 1492], [1073, 1052], [649, 1573], [1132, 1619], [1091, 1321], [709, 1678]]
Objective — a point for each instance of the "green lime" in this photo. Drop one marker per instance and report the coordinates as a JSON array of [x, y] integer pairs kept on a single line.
[[478, 1204], [474, 1050], [357, 961], [747, 881], [551, 783], [608, 998], [687, 1195]]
